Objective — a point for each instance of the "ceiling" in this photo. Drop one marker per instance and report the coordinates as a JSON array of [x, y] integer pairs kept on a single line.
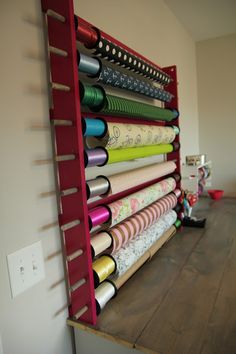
[[205, 19]]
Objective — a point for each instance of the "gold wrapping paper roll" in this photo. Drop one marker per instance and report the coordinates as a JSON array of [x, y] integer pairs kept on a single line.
[[125, 180], [145, 257], [102, 268], [132, 135]]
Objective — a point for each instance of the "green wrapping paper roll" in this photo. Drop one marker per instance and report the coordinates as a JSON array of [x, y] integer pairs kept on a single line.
[[139, 152], [97, 100], [123, 106], [120, 135]]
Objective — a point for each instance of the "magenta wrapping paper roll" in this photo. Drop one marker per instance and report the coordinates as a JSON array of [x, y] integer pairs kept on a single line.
[[98, 216], [133, 226]]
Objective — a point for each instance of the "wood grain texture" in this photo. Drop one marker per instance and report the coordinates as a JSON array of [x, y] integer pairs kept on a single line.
[[127, 314], [180, 324], [183, 300]]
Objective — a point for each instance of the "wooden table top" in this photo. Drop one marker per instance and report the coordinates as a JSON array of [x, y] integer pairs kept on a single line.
[[184, 299]]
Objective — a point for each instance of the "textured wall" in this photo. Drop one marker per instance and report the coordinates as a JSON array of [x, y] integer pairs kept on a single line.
[[216, 69]]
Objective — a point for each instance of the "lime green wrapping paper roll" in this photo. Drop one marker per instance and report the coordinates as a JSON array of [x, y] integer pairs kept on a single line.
[[120, 155]]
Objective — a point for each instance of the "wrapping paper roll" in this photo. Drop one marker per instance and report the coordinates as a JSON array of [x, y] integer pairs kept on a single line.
[[122, 106], [102, 268], [97, 186], [95, 98], [125, 207], [145, 257], [125, 180], [109, 76], [98, 216], [120, 155], [136, 224], [130, 254], [93, 127], [132, 135], [100, 243], [103, 294]]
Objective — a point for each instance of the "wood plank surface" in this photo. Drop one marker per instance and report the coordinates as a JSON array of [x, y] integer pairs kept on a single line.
[[183, 300], [180, 324], [127, 315]]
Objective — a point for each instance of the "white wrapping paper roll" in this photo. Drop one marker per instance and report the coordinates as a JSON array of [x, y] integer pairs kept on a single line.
[[103, 294]]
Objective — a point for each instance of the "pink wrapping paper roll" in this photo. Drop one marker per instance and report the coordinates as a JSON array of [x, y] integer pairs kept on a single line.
[[122, 181], [139, 222]]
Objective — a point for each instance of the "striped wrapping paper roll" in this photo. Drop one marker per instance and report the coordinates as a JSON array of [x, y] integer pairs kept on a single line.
[[132, 135], [130, 228], [129, 254]]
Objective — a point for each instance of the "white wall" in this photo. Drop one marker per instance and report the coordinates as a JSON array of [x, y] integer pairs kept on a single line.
[[35, 321], [149, 27], [216, 70], [32, 323]]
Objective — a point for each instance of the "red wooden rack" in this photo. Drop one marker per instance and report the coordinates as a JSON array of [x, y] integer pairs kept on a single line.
[[65, 117]]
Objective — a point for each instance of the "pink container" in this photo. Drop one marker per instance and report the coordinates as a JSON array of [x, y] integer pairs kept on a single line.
[[215, 194]]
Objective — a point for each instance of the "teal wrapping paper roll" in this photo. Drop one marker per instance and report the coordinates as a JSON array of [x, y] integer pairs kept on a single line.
[[93, 127]]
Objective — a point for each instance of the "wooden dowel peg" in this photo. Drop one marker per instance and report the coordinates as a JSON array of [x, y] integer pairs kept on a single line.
[[40, 127], [69, 191], [74, 255], [69, 225], [56, 15], [80, 312], [49, 226], [61, 122], [58, 51], [47, 194], [78, 284], [65, 158], [43, 162], [60, 87]]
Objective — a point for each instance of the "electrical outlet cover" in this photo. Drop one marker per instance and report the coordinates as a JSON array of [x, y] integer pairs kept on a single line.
[[26, 268]]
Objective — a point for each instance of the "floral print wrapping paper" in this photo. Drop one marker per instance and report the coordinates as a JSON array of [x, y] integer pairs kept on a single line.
[[125, 207]]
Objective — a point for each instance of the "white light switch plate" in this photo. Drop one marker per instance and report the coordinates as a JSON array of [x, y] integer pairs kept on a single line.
[[26, 268]]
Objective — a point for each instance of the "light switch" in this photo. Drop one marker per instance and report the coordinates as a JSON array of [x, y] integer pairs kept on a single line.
[[26, 268]]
